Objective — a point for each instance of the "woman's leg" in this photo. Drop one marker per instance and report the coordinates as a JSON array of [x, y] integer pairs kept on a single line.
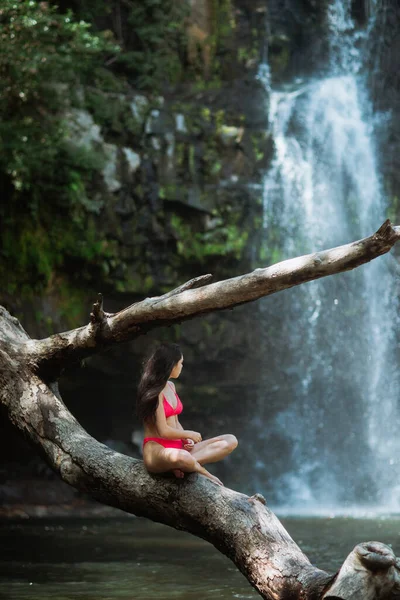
[[214, 449], [188, 464], [162, 460]]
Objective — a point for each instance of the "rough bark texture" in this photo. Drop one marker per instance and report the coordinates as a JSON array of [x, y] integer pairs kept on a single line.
[[52, 354], [241, 527]]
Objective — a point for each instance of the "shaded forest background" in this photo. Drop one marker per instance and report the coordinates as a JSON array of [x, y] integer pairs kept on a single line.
[[134, 139]]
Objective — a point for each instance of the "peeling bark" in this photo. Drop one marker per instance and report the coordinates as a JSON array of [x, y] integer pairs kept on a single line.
[[241, 527]]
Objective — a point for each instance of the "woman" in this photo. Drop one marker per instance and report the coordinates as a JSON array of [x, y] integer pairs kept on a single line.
[[167, 446]]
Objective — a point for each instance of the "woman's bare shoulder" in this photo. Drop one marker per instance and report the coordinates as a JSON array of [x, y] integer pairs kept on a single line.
[[161, 395], [171, 383]]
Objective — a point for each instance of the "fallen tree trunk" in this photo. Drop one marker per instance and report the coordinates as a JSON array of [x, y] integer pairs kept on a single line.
[[241, 527]]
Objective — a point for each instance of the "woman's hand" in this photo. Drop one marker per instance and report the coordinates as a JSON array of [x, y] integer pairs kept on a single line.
[[193, 435], [188, 444]]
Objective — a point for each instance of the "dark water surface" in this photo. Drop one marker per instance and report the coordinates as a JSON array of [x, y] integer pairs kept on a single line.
[[109, 559]]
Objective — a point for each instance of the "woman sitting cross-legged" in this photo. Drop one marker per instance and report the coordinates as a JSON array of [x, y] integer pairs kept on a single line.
[[167, 446]]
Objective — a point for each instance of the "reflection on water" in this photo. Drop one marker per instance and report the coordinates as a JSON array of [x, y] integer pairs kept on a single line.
[[138, 560]]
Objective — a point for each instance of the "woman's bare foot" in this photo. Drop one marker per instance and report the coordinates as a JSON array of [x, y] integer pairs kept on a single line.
[[178, 473], [214, 479]]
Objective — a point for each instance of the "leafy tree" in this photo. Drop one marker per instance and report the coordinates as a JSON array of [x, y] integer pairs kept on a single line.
[[151, 35], [43, 54]]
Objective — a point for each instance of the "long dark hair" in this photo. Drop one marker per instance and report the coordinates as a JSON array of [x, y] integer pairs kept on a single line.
[[156, 371]]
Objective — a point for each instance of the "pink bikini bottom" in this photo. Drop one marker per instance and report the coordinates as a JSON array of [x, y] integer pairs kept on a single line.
[[164, 442]]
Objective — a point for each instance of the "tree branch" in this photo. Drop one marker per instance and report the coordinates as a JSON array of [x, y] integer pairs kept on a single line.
[[371, 571], [51, 355], [189, 285], [98, 314], [243, 528]]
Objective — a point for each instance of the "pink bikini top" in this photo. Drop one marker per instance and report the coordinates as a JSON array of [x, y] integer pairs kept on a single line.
[[169, 410]]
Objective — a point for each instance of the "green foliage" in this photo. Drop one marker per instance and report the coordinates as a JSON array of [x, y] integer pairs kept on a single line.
[[39, 50], [52, 61], [112, 112], [153, 57], [393, 209], [39, 46], [224, 23], [224, 240], [90, 11], [222, 38], [47, 182], [151, 34]]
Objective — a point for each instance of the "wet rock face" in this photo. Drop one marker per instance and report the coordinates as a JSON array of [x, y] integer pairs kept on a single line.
[[297, 43], [297, 33], [177, 175], [384, 81]]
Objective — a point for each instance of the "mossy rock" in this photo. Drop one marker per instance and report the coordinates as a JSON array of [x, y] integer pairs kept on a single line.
[[279, 54]]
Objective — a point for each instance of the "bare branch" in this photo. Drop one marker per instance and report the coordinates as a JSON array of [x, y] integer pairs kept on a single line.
[[189, 285], [51, 354], [97, 316]]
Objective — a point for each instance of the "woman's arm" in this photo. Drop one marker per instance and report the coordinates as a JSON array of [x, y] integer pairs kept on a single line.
[[177, 423], [172, 433], [188, 443]]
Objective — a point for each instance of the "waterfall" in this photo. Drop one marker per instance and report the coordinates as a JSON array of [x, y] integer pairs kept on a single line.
[[328, 411]]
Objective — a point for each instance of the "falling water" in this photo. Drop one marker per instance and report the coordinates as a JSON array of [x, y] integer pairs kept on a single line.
[[329, 416]]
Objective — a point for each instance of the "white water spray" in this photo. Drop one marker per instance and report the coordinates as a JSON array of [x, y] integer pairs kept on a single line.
[[336, 444]]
